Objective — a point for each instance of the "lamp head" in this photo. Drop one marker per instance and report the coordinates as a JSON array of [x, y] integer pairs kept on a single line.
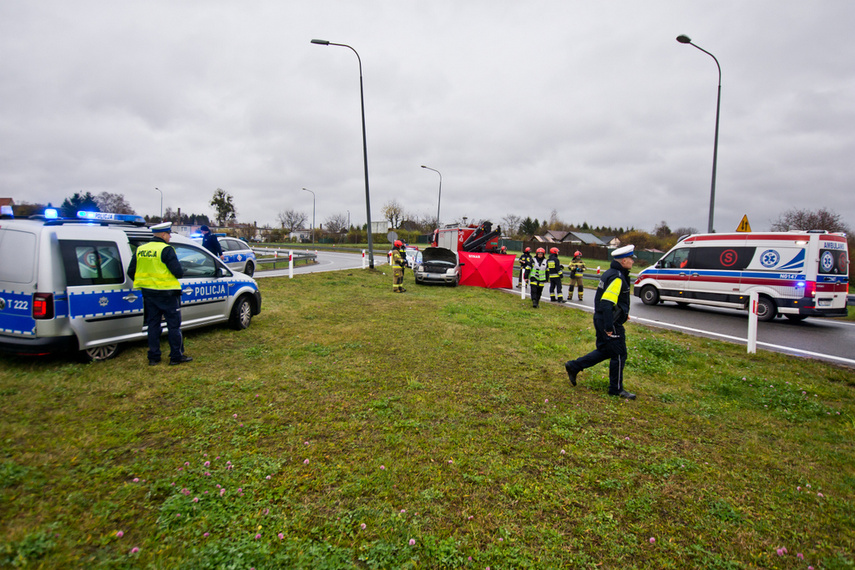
[[321, 42], [683, 39], [423, 166]]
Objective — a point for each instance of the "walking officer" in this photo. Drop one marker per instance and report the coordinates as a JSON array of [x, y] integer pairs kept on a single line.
[[155, 270], [537, 277], [525, 267], [553, 270], [577, 269], [611, 311]]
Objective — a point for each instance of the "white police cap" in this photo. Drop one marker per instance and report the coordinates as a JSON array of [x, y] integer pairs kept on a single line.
[[164, 228], [625, 251]]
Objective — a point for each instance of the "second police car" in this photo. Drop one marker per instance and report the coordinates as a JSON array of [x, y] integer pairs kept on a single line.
[[237, 254], [64, 285]]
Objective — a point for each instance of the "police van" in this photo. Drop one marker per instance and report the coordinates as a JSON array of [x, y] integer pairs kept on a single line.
[[797, 274], [64, 285]]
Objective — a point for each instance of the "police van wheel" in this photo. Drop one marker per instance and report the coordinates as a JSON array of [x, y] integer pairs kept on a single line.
[[249, 269], [100, 353], [241, 314], [766, 309], [649, 295]]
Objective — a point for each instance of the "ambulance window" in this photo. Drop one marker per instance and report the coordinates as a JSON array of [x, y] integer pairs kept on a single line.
[[91, 263], [728, 258], [17, 256], [833, 262], [677, 259], [195, 262]]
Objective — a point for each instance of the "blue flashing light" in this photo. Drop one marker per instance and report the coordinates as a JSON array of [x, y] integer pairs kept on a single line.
[[51, 213], [109, 216], [196, 235], [800, 284]]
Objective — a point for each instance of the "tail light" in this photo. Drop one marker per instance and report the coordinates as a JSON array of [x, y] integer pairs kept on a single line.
[[810, 289], [43, 306]]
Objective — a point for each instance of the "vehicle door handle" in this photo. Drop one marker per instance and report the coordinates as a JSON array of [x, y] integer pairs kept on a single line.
[[130, 297]]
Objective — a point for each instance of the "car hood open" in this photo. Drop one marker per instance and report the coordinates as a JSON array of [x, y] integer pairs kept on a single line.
[[439, 254]]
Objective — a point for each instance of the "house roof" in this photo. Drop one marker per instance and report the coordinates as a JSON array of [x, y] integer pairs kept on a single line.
[[585, 238]]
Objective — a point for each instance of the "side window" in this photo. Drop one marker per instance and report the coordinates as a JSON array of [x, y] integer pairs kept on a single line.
[[195, 262], [728, 258], [833, 262], [91, 263], [677, 259], [17, 256]]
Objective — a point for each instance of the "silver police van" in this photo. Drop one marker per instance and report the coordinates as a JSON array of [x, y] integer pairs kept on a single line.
[[64, 285]]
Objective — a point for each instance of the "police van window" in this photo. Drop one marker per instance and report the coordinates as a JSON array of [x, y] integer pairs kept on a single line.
[[17, 256], [195, 262], [91, 263], [833, 262], [728, 258]]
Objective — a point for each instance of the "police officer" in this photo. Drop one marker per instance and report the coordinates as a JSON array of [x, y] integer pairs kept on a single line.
[[525, 267], [537, 277], [399, 262], [155, 270], [611, 311], [210, 242], [577, 269], [553, 271]]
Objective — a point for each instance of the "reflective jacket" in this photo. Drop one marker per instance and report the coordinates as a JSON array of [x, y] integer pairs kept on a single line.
[[398, 259], [526, 260], [611, 303], [577, 268], [156, 266], [553, 266], [538, 270]]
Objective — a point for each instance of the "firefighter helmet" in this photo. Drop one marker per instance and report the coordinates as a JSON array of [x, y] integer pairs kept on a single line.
[[528, 250], [577, 254], [540, 250], [398, 243], [554, 250]]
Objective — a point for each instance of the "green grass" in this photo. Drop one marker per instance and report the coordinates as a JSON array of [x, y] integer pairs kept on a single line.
[[433, 429]]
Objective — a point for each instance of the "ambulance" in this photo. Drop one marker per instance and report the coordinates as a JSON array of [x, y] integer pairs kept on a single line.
[[796, 274], [64, 285]]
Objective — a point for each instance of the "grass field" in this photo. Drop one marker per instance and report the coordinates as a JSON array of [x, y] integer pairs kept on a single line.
[[349, 427]]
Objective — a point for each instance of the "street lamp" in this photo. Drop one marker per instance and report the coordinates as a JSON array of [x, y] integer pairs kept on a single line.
[[439, 197], [313, 214], [683, 39], [364, 147], [161, 203]]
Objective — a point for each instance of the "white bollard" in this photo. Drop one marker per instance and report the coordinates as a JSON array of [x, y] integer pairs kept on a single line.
[[522, 289], [752, 322], [363, 259], [291, 264]]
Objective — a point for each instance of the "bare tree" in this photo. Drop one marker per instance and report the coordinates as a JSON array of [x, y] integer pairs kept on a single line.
[[821, 219], [292, 219], [685, 231], [393, 212], [115, 203], [512, 223], [336, 223], [662, 230]]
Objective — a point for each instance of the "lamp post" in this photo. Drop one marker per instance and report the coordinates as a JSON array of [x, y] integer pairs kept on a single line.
[[683, 39], [313, 214], [161, 203], [439, 197], [364, 147]]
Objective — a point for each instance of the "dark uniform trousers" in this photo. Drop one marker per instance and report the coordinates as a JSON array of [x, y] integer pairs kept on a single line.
[[166, 305], [613, 348]]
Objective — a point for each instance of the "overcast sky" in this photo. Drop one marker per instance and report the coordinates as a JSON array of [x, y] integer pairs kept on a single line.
[[592, 109]]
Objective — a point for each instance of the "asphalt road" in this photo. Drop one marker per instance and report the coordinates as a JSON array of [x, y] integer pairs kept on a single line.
[[825, 339]]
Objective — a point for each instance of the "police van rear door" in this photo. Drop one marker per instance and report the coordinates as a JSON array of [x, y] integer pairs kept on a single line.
[[102, 305]]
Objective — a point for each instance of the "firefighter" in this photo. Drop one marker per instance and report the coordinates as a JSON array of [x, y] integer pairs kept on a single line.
[[577, 269], [537, 276], [525, 267], [611, 311], [553, 270], [399, 262], [156, 270]]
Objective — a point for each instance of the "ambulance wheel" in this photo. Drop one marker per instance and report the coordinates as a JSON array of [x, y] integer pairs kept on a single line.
[[649, 295], [241, 314], [249, 269], [766, 309], [100, 353]]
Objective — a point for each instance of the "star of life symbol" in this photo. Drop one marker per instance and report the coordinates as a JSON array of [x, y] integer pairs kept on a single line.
[[827, 261], [770, 258]]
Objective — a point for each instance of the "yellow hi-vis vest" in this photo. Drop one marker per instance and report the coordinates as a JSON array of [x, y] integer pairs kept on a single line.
[[151, 272]]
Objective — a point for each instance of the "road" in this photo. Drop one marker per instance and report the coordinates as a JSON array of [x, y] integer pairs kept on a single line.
[[825, 339]]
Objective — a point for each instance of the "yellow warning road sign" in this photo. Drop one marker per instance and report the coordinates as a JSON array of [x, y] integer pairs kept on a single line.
[[744, 226]]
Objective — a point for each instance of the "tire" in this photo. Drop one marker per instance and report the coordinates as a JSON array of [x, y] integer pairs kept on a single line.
[[99, 353], [766, 309], [649, 295], [241, 316], [249, 269]]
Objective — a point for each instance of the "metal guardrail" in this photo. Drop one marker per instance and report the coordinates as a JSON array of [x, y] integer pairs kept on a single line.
[[281, 256]]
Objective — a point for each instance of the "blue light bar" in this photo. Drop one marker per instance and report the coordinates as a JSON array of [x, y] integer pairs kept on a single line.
[[51, 213], [109, 216]]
